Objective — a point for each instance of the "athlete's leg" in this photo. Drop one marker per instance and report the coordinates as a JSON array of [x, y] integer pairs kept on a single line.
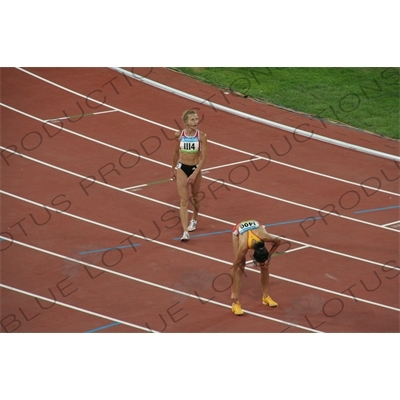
[[266, 298], [236, 272], [265, 281], [196, 198], [235, 242], [236, 276], [181, 182]]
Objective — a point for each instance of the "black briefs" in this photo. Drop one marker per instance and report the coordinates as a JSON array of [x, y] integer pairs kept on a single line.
[[187, 169]]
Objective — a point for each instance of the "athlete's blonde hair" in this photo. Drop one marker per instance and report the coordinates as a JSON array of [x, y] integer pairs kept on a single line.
[[186, 114]]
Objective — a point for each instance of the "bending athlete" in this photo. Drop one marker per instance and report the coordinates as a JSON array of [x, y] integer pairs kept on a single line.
[[187, 161], [248, 235]]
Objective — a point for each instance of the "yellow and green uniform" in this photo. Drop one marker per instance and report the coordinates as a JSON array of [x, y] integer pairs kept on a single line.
[[247, 226]]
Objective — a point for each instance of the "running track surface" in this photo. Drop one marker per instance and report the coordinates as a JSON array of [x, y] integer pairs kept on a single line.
[[90, 220]]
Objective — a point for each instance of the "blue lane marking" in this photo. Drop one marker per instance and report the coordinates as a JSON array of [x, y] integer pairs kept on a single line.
[[230, 230], [103, 327], [375, 209], [110, 248], [291, 222], [207, 234]]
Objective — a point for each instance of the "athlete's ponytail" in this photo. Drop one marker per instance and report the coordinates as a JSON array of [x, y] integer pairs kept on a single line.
[[260, 254]]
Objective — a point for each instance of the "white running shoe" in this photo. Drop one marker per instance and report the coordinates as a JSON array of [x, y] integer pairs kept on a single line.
[[185, 237], [192, 225]]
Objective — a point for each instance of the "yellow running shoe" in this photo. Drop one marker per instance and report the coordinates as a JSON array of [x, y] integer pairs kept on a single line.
[[268, 301], [236, 309]]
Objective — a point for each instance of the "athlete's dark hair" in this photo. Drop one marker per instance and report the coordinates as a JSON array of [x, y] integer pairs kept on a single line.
[[260, 254]]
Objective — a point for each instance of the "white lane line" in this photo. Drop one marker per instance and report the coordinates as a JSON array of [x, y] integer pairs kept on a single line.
[[93, 100], [210, 141], [109, 186], [176, 207], [305, 170], [111, 227], [251, 117], [205, 177], [82, 310], [249, 262], [373, 303], [294, 203], [156, 285], [82, 136], [201, 254]]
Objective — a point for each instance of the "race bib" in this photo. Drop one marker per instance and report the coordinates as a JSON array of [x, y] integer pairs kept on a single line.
[[247, 226], [190, 145]]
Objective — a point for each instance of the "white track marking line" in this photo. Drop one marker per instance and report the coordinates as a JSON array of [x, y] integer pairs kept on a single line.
[[72, 116], [205, 177], [302, 205], [156, 285], [284, 252], [332, 277], [82, 136], [317, 287], [298, 248], [391, 223], [229, 165], [110, 186], [205, 170], [303, 169], [111, 227], [209, 141], [196, 253], [171, 128], [148, 184], [336, 293], [93, 100], [254, 118], [176, 207], [82, 310]]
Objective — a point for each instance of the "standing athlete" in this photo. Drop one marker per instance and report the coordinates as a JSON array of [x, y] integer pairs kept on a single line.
[[187, 161]]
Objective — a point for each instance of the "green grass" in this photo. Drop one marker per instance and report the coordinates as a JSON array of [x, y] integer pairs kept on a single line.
[[364, 98]]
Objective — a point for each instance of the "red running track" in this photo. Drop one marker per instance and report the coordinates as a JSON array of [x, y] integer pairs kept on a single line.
[[81, 252]]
